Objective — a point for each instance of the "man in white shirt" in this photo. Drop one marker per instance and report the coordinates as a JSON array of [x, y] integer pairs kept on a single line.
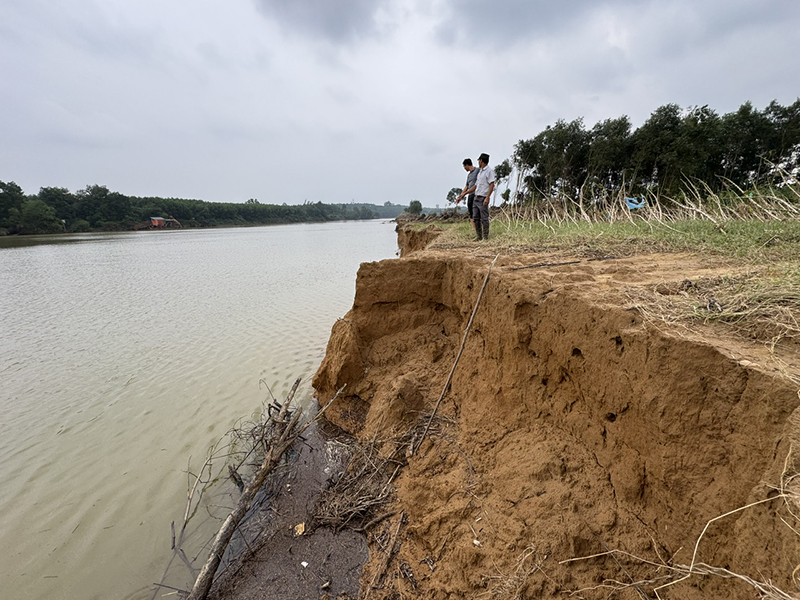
[[484, 186]]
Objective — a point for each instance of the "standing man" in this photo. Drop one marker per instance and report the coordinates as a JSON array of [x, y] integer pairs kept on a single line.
[[484, 186], [469, 188]]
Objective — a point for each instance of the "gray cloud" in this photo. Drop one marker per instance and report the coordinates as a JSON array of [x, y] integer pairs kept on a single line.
[[334, 21], [479, 22], [512, 22]]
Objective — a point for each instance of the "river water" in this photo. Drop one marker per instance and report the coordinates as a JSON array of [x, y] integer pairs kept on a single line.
[[122, 356]]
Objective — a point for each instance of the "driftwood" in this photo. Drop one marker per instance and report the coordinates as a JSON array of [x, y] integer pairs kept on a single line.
[[195, 492], [363, 486], [285, 434], [458, 357]]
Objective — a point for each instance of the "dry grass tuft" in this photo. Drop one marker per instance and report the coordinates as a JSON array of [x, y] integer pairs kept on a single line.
[[511, 586], [752, 226], [758, 304]]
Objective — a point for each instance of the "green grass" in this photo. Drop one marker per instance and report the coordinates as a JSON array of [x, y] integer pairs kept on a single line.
[[754, 226], [746, 239]]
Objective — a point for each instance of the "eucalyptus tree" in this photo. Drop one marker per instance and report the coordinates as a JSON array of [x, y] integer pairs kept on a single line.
[[565, 150], [699, 148], [746, 135], [526, 162], [785, 122], [655, 153], [554, 163], [610, 156], [785, 155]]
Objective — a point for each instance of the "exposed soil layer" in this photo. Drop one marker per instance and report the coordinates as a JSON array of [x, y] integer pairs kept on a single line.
[[410, 240], [571, 428]]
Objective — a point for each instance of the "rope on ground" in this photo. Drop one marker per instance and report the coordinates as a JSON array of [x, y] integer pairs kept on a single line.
[[460, 352], [547, 264]]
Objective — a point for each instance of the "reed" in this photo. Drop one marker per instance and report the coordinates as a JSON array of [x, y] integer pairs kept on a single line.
[[754, 226]]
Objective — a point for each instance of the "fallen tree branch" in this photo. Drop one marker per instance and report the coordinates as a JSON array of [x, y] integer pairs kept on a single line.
[[286, 432], [193, 497]]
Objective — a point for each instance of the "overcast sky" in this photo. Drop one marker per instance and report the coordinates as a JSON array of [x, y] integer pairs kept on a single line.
[[365, 100]]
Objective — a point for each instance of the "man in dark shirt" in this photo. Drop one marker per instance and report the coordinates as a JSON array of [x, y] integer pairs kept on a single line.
[[469, 188]]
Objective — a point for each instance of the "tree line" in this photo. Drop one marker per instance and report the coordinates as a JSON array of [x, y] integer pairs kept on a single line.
[[96, 208], [673, 150]]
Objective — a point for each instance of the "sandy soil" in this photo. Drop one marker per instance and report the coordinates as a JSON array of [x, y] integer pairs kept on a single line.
[[571, 428]]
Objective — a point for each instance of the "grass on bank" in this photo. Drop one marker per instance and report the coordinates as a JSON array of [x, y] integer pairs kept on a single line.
[[750, 240], [757, 225], [759, 304]]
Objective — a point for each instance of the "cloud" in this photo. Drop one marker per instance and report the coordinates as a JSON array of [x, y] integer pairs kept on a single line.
[[480, 23], [675, 24], [334, 21], [355, 99]]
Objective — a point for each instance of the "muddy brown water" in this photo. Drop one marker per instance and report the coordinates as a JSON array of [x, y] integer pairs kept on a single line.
[[123, 357]]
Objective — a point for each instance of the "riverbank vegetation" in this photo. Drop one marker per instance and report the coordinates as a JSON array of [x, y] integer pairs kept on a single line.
[[663, 158], [96, 208], [755, 227], [685, 180]]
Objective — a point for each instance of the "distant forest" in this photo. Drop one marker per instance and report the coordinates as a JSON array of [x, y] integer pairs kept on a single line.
[[96, 208], [674, 150]]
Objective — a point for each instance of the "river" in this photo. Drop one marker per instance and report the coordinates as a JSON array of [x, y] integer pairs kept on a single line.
[[123, 356]]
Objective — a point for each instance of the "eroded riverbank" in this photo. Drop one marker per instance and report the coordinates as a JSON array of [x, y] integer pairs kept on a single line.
[[571, 429]]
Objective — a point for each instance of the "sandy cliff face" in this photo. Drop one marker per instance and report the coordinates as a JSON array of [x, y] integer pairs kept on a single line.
[[413, 240], [570, 429]]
